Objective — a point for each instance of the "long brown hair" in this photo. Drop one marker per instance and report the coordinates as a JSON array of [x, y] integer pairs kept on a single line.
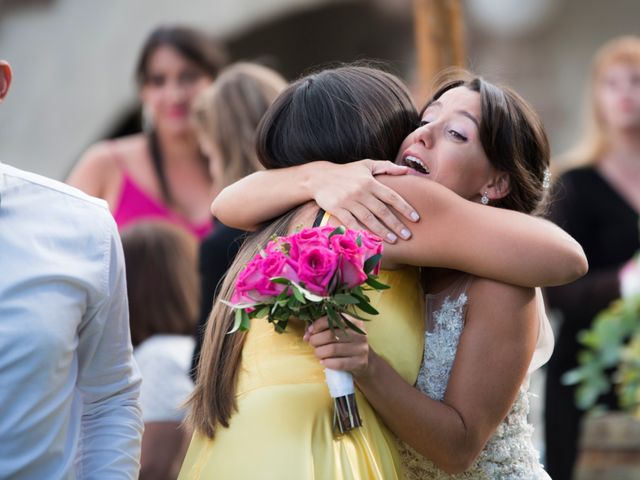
[[342, 114], [228, 112], [595, 138], [162, 279], [512, 137]]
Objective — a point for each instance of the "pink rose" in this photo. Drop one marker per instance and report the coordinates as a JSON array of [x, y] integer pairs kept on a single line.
[[316, 267], [277, 264], [254, 285], [308, 238], [372, 245], [351, 262]]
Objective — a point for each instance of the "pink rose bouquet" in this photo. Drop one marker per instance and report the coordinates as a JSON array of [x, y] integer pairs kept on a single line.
[[321, 271]]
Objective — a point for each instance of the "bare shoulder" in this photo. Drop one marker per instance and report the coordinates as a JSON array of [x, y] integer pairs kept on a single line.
[[509, 305], [499, 294], [111, 155]]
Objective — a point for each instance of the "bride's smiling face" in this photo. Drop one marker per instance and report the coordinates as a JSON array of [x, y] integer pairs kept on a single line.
[[446, 146]]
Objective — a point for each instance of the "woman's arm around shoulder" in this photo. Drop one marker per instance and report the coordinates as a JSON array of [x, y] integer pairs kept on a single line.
[[501, 244], [349, 192]]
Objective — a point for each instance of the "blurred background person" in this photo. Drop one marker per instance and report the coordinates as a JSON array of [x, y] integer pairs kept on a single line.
[[160, 173], [597, 201], [226, 116], [162, 286]]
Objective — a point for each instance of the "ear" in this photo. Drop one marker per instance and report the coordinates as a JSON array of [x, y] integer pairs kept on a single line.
[[5, 79], [499, 186]]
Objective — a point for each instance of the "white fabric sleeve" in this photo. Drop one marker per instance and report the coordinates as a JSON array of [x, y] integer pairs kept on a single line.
[[545, 342], [108, 379]]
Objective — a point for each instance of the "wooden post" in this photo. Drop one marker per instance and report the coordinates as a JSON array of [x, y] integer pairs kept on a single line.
[[439, 30]]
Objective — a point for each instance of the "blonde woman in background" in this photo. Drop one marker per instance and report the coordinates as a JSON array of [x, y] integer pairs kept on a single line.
[[163, 304], [226, 116], [597, 201]]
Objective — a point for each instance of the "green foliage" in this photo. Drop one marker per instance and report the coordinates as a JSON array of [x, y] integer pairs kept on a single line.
[[610, 357], [298, 302]]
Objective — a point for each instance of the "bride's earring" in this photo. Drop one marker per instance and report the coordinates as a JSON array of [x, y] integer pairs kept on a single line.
[[485, 199]]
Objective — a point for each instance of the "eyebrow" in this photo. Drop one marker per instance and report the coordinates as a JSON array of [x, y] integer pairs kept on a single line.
[[464, 113]]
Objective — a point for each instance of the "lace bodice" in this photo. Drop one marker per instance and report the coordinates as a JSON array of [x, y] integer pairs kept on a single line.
[[509, 454]]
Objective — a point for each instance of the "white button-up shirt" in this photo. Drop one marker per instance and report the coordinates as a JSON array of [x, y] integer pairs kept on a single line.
[[68, 383]]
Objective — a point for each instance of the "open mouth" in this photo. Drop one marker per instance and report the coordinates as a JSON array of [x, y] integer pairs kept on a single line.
[[415, 163]]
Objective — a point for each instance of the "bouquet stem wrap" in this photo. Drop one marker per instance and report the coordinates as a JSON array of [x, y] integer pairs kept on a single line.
[[346, 416]]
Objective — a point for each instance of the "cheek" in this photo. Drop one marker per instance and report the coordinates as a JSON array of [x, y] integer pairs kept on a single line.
[[407, 142], [152, 97]]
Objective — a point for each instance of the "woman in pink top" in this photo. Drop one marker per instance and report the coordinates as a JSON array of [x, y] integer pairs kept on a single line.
[[161, 173]]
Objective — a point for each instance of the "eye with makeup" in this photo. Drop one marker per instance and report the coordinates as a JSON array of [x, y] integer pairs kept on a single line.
[[457, 135]]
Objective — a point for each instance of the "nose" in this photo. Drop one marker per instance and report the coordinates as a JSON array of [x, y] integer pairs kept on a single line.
[[177, 92], [425, 135]]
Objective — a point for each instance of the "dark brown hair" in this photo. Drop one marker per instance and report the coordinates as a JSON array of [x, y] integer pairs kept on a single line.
[[162, 279], [229, 111], [196, 47], [512, 137], [341, 115]]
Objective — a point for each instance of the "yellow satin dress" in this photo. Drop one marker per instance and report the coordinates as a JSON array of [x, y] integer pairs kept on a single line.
[[283, 429]]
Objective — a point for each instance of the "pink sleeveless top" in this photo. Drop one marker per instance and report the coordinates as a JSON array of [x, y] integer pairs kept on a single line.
[[134, 204]]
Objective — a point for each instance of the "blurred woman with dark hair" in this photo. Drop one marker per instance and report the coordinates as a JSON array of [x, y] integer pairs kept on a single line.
[[161, 173]]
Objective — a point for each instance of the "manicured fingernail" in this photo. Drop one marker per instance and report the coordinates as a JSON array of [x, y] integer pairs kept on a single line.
[[414, 216], [405, 233], [310, 329], [391, 237]]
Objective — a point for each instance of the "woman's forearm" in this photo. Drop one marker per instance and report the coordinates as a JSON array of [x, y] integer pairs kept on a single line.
[[504, 245], [432, 428], [262, 196]]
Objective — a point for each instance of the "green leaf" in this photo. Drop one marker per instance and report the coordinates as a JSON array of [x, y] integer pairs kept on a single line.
[[346, 299], [237, 321], [280, 280], [338, 231], [298, 294], [371, 263], [245, 321], [367, 308], [352, 325], [334, 319], [373, 282]]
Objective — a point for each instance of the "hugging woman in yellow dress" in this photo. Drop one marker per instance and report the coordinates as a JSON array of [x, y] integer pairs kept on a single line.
[[261, 408]]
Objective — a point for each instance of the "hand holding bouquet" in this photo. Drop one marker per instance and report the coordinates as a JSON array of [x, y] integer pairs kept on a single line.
[[322, 271]]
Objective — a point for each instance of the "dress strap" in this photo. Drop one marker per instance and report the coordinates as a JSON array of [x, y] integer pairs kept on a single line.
[[320, 220]]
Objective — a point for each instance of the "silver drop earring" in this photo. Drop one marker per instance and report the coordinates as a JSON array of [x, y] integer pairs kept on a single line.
[[485, 199]]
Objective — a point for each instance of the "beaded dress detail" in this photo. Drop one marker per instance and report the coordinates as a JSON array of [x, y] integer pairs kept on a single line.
[[509, 454]]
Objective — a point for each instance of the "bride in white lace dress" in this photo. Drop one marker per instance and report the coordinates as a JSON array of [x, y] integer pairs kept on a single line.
[[466, 418]]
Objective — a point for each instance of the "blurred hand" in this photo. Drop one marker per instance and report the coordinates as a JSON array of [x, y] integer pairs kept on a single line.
[[352, 194], [340, 350]]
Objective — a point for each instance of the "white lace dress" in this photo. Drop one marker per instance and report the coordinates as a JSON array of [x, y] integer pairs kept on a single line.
[[509, 454]]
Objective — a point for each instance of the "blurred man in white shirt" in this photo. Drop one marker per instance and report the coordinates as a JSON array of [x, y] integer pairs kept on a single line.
[[68, 384]]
